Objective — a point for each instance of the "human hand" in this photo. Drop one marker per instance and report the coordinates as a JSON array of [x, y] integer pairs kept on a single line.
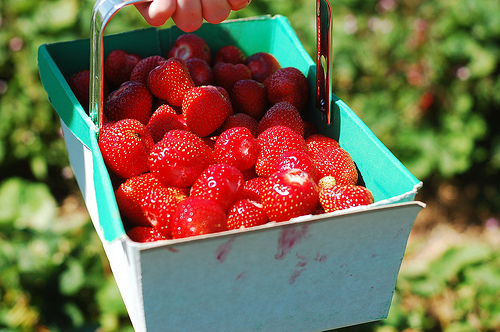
[[188, 15]]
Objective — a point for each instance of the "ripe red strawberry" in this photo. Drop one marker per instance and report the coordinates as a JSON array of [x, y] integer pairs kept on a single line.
[[200, 71], [79, 84], [240, 120], [205, 109], [179, 158], [118, 66], [262, 65], [296, 159], [221, 183], [188, 46], [289, 193], [125, 146], [273, 142], [143, 68], [337, 163], [282, 114], [197, 216], [317, 143], [145, 234], [288, 84], [246, 213], [342, 197], [253, 189], [236, 147], [162, 121], [227, 74], [249, 97], [229, 54], [132, 100], [170, 80]]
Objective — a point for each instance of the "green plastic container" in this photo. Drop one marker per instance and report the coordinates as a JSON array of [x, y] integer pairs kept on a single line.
[[308, 274]]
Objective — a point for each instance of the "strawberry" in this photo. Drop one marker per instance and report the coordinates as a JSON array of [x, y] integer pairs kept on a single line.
[[326, 182], [310, 129], [240, 120], [253, 189], [188, 46], [289, 193], [163, 120], [143, 68], [200, 71], [340, 197], [132, 100], [170, 80], [179, 158], [118, 66], [246, 213], [79, 83], [205, 109], [221, 183], [262, 65], [229, 54], [296, 159], [250, 97], [236, 147], [197, 216], [227, 74], [317, 143], [125, 146], [273, 142], [282, 114], [288, 84], [337, 163], [145, 234]]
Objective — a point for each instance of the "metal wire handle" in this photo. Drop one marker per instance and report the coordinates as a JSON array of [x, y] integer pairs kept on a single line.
[[323, 46], [102, 13]]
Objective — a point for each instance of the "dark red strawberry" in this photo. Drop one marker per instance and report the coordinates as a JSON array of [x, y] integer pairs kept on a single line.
[[143, 68], [296, 159], [236, 147], [317, 143], [179, 158], [197, 216], [262, 65], [227, 74], [221, 183], [273, 142], [337, 163], [229, 54], [118, 66], [79, 84], [288, 84], [170, 80], [162, 121], [253, 189], [310, 129], [246, 213], [125, 146], [342, 197], [145, 234], [205, 109], [132, 100], [282, 114], [188, 46], [200, 71], [289, 193], [240, 120], [249, 97]]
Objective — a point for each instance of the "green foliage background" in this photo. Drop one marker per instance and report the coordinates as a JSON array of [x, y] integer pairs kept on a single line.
[[424, 76]]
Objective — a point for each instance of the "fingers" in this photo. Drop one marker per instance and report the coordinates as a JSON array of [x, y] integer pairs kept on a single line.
[[188, 15], [215, 11], [157, 12], [238, 4]]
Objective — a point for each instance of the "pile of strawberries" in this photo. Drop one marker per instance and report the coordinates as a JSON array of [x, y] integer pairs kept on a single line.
[[197, 145]]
